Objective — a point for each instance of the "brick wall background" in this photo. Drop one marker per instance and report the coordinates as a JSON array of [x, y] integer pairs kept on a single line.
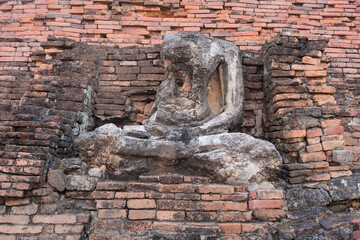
[[247, 23], [302, 93]]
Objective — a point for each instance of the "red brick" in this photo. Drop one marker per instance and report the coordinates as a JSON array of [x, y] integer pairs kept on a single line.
[[112, 213], [331, 123], [174, 178], [250, 227], [230, 228], [322, 88], [270, 194], [223, 206], [234, 198], [68, 229], [130, 195], [82, 218], [167, 226], [156, 195], [357, 234], [14, 219], [175, 205], [103, 194], [312, 141], [313, 133], [55, 219], [240, 188], [294, 133], [221, 189], [253, 194], [141, 214], [312, 157], [17, 201], [310, 60], [334, 130], [258, 204], [170, 215], [137, 226], [340, 174], [176, 188], [200, 216], [110, 203], [141, 186], [7, 237], [314, 148], [234, 216], [20, 229], [141, 203], [330, 145], [110, 186], [210, 197], [196, 179], [269, 214], [30, 209], [318, 177]]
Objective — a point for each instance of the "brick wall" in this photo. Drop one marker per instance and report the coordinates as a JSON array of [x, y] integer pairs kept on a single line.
[[301, 109], [247, 23], [157, 207], [301, 93], [171, 206], [77, 87]]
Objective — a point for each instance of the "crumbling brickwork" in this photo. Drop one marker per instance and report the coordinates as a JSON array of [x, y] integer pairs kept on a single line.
[[301, 93], [25, 24]]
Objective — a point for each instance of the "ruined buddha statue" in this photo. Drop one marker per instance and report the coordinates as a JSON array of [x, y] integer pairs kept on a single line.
[[203, 91], [200, 100]]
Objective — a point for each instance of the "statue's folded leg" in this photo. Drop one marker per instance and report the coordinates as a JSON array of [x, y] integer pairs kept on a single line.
[[236, 157]]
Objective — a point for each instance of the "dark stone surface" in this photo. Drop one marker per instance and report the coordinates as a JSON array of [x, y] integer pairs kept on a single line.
[[56, 178], [301, 199], [316, 227], [345, 188]]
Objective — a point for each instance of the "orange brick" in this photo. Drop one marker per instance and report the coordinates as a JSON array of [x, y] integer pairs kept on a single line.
[[167, 226], [314, 148], [110, 203], [334, 130], [294, 133], [214, 188], [112, 213], [253, 194], [234, 216], [312, 157], [258, 204], [184, 188], [170, 215], [137, 226], [141, 214], [130, 195], [55, 219], [269, 214], [141, 203], [313, 133], [68, 229], [14, 219], [223, 206], [270, 194], [230, 228]]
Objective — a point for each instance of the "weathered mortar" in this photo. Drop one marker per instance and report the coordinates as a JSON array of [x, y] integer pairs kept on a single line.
[[246, 23]]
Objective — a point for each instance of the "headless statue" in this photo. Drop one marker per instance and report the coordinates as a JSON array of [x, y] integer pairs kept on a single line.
[[203, 90], [201, 98]]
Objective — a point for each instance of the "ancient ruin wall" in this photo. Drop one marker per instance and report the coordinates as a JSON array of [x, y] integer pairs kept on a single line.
[[53, 88], [25, 24]]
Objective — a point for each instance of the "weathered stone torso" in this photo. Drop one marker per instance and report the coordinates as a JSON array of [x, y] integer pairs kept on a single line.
[[198, 77]]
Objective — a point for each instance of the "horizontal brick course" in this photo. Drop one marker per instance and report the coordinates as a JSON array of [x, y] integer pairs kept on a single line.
[[310, 83]]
